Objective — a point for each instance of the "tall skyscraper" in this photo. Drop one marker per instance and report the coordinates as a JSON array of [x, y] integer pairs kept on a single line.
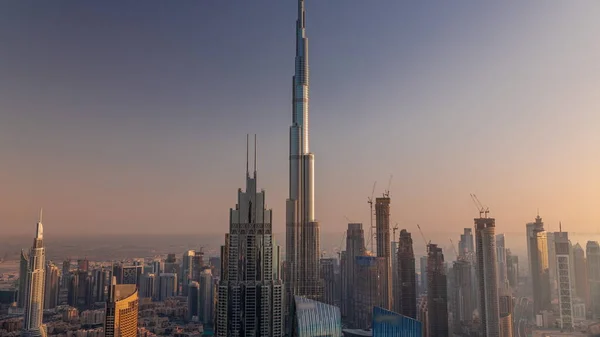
[[405, 297], [51, 286], [502, 268], [437, 295], [512, 269], [250, 295], [187, 270], [593, 262], [193, 300], [564, 277], [121, 311], [328, 276], [355, 246], [487, 279], [540, 277], [34, 289], [506, 313], [382, 224], [581, 277], [23, 267], [423, 274], [552, 265], [167, 286], [529, 233], [466, 244], [368, 289], [464, 301], [148, 285], [206, 298], [302, 230]]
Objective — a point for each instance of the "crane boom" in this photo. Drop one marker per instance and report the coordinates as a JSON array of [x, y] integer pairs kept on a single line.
[[454, 248], [423, 236]]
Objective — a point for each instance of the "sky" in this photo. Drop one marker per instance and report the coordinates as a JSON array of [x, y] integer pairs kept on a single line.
[[131, 117]]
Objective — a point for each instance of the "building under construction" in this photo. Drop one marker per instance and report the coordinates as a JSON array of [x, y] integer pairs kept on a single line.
[[487, 278], [382, 223], [437, 296]]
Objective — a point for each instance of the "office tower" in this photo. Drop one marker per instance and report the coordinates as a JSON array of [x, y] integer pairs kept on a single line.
[[464, 302], [389, 323], [382, 224], [167, 286], [593, 264], [117, 272], [206, 298], [581, 277], [23, 267], [302, 230], [466, 244], [171, 266], [193, 300], [423, 315], [84, 289], [563, 268], [157, 267], [132, 274], [51, 286], [148, 285], [423, 269], [501, 263], [367, 288], [215, 263], [552, 265], [395, 283], [250, 301], [314, 319], [197, 264], [506, 314], [437, 297], [72, 283], [121, 318], [102, 278], [355, 246], [512, 269], [405, 294], [83, 264], [327, 271], [540, 277], [487, 279], [34, 289], [187, 270], [529, 233]]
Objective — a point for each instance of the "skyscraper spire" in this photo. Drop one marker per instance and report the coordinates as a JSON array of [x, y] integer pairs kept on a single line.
[[34, 289]]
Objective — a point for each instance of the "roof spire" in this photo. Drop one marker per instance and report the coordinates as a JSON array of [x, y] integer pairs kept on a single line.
[[254, 155], [247, 150]]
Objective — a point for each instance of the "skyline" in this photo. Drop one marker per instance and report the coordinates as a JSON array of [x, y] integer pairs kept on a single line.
[[164, 167]]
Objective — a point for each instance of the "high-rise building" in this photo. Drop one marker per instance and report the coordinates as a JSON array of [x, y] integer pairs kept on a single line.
[[187, 270], [51, 286], [506, 314], [423, 315], [466, 244], [552, 265], [206, 298], [121, 311], [34, 289], [193, 300], [405, 294], [382, 225], [328, 276], [302, 230], [464, 302], [564, 277], [148, 285], [102, 278], [501, 263], [581, 277], [250, 295], [83, 264], [157, 267], [215, 263], [23, 267], [197, 264], [423, 274], [529, 233], [388, 323], [314, 319], [355, 246], [167, 286], [367, 288], [132, 274], [437, 295], [540, 277], [593, 263], [487, 279], [512, 269]]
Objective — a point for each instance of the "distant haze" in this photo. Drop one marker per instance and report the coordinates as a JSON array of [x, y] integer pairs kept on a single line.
[[130, 117]]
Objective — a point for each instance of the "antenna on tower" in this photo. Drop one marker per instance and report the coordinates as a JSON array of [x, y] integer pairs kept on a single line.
[[255, 154], [247, 155], [41, 212], [370, 202]]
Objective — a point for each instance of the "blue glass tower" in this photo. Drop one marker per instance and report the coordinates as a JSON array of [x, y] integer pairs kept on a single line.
[[315, 319], [388, 323]]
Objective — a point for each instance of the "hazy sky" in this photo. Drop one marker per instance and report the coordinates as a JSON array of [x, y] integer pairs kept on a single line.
[[131, 116]]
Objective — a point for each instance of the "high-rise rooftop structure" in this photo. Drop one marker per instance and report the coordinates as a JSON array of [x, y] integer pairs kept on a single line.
[[355, 246], [302, 229], [581, 277], [564, 277], [250, 295], [121, 318], [51, 286], [593, 263], [34, 289], [487, 279], [540, 277], [405, 294], [437, 295], [384, 249]]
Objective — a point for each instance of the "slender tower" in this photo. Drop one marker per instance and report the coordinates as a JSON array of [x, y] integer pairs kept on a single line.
[[487, 278], [302, 231], [34, 290]]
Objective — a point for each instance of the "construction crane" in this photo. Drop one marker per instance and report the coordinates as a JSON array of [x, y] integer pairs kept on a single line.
[[386, 193], [394, 232], [483, 210], [370, 202], [454, 248], [424, 239]]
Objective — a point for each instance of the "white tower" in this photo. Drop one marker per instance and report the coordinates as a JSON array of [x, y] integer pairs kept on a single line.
[[34, 291]]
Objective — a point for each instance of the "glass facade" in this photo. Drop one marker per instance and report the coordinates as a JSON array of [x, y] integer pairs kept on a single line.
[[316, 319], [389, 323]]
